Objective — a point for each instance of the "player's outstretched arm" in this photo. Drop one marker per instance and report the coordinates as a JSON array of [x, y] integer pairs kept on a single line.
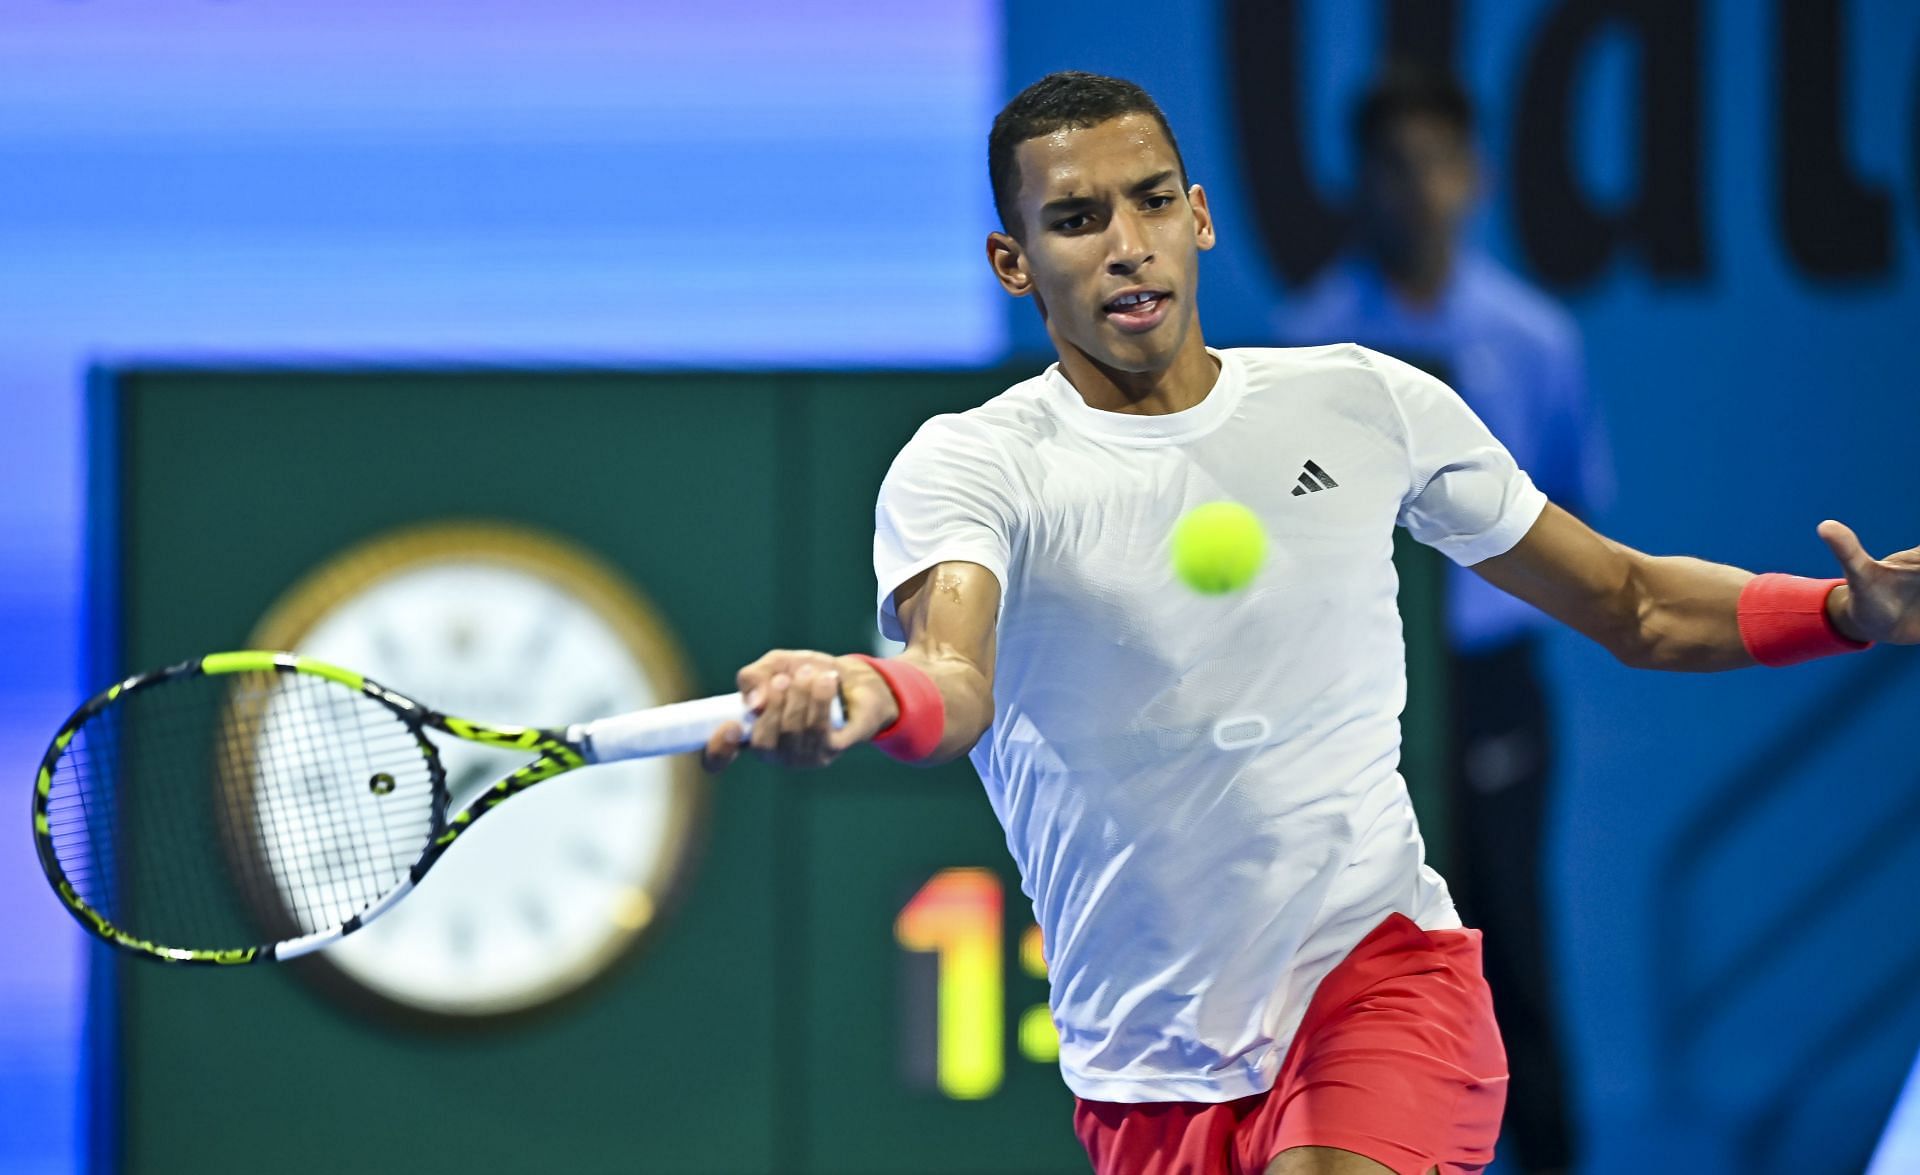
[[1684, 614], [948, 612]]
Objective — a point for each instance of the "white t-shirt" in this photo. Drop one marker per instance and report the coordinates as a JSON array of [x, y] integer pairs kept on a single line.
[[1201, 792]]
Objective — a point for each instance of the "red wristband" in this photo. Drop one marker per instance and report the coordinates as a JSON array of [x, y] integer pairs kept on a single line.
[[923, 712], [1783, 620]]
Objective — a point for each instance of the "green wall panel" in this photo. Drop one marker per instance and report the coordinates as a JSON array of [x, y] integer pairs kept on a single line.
[[238, 484], [876, 832], [773, 1022]]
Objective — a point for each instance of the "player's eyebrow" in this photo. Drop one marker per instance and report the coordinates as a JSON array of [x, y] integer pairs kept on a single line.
[[1156, 180], [1066, 205]]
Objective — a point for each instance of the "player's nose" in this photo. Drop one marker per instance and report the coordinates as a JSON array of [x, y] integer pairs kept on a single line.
[[1127, 248]]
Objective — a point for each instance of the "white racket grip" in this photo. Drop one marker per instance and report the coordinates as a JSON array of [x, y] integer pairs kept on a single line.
[[668, 730]]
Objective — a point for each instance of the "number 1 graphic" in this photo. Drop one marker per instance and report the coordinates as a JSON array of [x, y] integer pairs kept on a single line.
[[957, 915]]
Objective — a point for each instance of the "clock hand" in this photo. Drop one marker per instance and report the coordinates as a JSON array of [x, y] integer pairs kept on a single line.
[[386, 645], [534, 913], [460, 935], [539, 639], [588, 855]]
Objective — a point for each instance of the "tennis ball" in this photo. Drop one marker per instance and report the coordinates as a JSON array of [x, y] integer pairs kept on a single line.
[[1218, 547]]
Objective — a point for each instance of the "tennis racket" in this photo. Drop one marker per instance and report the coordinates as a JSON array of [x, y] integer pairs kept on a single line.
[[252, 806]]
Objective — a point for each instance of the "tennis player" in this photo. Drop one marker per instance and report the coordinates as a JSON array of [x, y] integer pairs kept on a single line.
[[1252, 969]]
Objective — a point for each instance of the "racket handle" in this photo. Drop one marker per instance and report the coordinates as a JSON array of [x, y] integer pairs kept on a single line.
[[668, 730]]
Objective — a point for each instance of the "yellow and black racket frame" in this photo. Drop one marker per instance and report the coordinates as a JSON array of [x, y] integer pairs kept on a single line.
[[554, 755]]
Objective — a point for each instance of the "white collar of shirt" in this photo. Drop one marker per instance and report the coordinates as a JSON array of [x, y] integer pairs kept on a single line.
[[1132, 428]]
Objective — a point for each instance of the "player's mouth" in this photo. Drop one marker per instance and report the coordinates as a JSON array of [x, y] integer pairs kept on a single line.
[[1138, 309]]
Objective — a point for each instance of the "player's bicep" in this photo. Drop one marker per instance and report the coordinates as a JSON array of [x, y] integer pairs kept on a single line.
[[949, 612]]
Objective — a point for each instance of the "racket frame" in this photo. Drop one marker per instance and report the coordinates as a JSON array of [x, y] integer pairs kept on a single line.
[[555, 754]]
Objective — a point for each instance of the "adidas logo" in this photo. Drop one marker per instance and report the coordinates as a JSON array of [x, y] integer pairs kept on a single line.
[[1313, 479]]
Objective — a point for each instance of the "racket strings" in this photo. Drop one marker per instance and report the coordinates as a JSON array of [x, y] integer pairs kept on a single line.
[[219, 812], [80, 814], [312, 767], [276, 842]]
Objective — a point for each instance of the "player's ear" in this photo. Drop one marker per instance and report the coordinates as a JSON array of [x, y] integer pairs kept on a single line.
[[1009, 262], [1202, 217]]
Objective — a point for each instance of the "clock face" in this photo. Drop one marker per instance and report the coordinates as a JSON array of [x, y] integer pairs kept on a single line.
[[546, 892]]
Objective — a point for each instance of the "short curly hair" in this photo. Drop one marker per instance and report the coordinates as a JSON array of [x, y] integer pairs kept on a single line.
[[1059, 100]]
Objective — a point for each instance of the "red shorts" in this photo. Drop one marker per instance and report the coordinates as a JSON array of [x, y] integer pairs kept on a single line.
[[1398, 1059]]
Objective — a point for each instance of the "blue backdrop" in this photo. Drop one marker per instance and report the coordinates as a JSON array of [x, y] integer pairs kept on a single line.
[[1733, 855]]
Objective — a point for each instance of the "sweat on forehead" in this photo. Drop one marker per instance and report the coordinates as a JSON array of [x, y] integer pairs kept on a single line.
[[1123, 151]]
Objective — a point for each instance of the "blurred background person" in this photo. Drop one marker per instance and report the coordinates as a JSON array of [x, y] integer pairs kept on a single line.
[[1415, 287]]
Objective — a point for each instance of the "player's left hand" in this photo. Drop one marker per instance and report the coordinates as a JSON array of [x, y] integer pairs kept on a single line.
[[1883, 601]]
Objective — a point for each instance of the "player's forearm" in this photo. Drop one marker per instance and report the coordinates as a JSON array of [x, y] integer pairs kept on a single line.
[[949, 613], [1686, 615], [967, 695], [1651, 612], [1689, 616]]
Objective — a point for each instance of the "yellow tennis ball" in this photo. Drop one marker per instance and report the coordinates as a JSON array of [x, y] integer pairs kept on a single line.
[[1218, 547]]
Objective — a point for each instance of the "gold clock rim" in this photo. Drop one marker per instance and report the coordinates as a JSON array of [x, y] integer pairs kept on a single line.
[[642, 631]]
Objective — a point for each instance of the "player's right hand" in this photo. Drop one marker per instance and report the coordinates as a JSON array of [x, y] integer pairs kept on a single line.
[[791, 692]]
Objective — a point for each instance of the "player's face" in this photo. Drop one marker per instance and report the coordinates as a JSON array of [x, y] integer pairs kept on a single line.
[[1418, 181], [1110, 244]]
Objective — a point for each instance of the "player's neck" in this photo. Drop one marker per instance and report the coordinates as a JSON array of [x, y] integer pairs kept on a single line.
[[1419, 275], [1174, 388]]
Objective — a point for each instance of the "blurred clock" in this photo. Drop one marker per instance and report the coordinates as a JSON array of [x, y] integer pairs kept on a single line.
[[507, 625]]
